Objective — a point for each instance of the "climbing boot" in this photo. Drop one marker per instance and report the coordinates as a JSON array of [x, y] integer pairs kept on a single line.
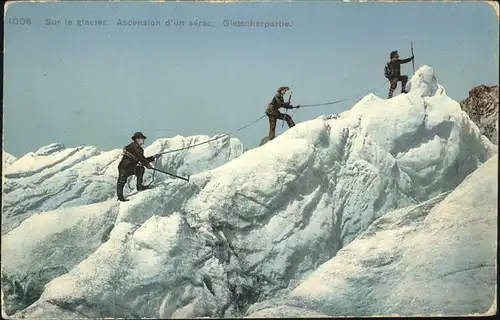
[[119, 192], [264, 141]]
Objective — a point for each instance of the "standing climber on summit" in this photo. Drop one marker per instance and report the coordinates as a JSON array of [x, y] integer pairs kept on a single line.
[[273, 113], [392, 72], [133, 162]]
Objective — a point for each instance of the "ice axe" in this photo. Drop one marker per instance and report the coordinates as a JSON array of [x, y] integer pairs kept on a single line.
[[286, 113], [154, 169], [412, 60], [171, 174]]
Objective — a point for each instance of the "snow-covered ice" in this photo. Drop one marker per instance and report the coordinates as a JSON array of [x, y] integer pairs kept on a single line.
[[50, 244], [434, 258], [8, 159], [251, 229]]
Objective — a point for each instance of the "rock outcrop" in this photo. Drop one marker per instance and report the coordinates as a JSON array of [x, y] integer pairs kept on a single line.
[[482, 107]]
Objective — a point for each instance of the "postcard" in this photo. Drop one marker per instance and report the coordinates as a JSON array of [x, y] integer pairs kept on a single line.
[[278, 159]]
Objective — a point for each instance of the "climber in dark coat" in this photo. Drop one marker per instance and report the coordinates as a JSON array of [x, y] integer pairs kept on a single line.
[[274, 114], [133, 162], [395, 76]]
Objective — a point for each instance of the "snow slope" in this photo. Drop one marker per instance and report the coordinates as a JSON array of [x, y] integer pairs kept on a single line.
[[253, 228], [57, 177], [434, 258]]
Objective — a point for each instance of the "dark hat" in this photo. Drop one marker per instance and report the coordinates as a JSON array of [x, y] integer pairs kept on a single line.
[[394, 53], [283, 88], [138, 135]]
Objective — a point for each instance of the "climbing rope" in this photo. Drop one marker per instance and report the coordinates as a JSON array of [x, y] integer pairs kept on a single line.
[[322, 104], [339, 101], [336, 101], [248, 125], [216, 138], [195, 145], [258, 119]]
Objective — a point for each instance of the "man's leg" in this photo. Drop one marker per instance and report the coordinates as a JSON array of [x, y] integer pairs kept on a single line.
[[287, 118], [120, 184], [139, 173], [289, 121], [272, 126], [404, 81], [394, 84]]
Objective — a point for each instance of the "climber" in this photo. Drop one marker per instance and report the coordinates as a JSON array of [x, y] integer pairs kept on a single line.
[[133, 162], [392, 72], [273, 113]]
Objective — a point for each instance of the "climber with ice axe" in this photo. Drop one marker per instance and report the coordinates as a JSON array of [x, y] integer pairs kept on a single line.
[[274, 114], [133, 163], [392, 72]]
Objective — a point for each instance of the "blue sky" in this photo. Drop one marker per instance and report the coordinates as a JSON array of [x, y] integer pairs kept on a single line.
[[98, 85]]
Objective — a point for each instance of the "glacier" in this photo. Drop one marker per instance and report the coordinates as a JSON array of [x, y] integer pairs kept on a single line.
[[335, 202]]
